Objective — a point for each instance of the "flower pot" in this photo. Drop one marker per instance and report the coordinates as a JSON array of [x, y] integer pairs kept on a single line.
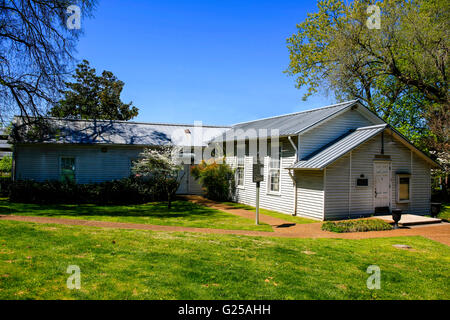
[[396, 216]]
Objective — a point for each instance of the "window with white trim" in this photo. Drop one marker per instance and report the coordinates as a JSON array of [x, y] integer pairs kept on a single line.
[[67, 169], [275, 172], [403, 188], [240, 171]]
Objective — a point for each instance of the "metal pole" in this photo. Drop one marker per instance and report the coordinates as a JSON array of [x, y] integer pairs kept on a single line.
[[257, 203]]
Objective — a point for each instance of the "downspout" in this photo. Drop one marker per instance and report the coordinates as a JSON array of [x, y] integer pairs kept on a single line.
[[293, 176], [350, 187]]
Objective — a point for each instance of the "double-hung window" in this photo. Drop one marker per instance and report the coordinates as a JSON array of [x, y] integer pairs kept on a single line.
[[404, 188], [275, 172], [240, 172], [67, 169]]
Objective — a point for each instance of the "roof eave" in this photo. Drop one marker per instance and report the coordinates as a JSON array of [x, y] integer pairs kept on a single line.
[[412, 147], [329, 117], [309, 169], [330, 162]]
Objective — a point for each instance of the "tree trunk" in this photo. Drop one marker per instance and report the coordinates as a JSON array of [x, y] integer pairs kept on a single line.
[[169, 201]]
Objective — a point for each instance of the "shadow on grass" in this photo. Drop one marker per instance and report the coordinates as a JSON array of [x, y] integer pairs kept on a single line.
[[180, 209], [286, 225]]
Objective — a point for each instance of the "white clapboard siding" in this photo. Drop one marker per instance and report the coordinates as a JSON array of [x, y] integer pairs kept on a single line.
[[42, 162], [282, 202], [310, 194], [420, 186], [342, 202], [362, 167], [325, 133], [401, 163], [337, 189]]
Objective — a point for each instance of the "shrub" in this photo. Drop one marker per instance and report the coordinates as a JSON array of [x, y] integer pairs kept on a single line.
[[440, 196], [6, 165], [360, 225], [5, 184], [216, 179], [125, 191]]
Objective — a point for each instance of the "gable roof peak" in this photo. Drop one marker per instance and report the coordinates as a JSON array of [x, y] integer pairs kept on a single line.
[[350, 102]]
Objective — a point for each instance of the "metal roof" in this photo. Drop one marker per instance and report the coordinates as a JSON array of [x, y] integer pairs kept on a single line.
[[122, 133], [5, 147], [289, 124], [330, 153]]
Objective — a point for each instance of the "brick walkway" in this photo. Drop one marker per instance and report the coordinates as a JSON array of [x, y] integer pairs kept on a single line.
[[439, 232]]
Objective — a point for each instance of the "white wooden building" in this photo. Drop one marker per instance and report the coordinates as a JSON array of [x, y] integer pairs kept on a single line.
[[340, 161], [335, 162], [96, 151]]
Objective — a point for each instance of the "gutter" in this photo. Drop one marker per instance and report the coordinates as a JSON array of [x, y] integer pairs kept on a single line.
[[292, 176]]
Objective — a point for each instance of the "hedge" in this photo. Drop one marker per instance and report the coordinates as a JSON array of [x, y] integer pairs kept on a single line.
[[217, 180], [131, 190], [5, 184], [359, 225]]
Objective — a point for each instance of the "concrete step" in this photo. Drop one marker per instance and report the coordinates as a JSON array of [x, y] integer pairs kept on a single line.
[[410, 220]]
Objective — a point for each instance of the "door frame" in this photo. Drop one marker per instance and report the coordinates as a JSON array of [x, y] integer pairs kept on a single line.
[[375, 183]]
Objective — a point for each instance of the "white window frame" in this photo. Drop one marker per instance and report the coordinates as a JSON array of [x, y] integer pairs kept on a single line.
[[240, 186], [399, 176], [60, 167], [269, 169]]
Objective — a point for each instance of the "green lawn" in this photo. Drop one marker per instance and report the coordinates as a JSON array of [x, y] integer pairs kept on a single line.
[[286, 217], [183, 213], [136, 264]]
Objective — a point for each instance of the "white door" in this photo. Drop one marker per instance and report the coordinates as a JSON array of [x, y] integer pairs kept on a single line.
[[382, 177], [184, 183]]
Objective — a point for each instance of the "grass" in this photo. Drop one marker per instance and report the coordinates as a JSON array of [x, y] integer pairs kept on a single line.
[[279, 215], [183, 213], [136, 264], [445, 212], [358, 225]]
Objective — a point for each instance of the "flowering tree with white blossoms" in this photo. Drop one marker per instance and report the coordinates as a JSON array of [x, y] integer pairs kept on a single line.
[[162, 165]]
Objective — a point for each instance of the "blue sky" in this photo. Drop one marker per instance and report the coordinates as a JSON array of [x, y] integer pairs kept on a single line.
[[220, 62]]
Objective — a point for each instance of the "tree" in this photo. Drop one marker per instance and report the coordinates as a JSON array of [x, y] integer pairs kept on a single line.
[[162, 166], [93, 97], [36, 49], [399, 71], [6, 165]]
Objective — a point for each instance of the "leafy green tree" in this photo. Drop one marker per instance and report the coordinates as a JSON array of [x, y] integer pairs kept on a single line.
[[93, 97], [6, 165], [399, 71]]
